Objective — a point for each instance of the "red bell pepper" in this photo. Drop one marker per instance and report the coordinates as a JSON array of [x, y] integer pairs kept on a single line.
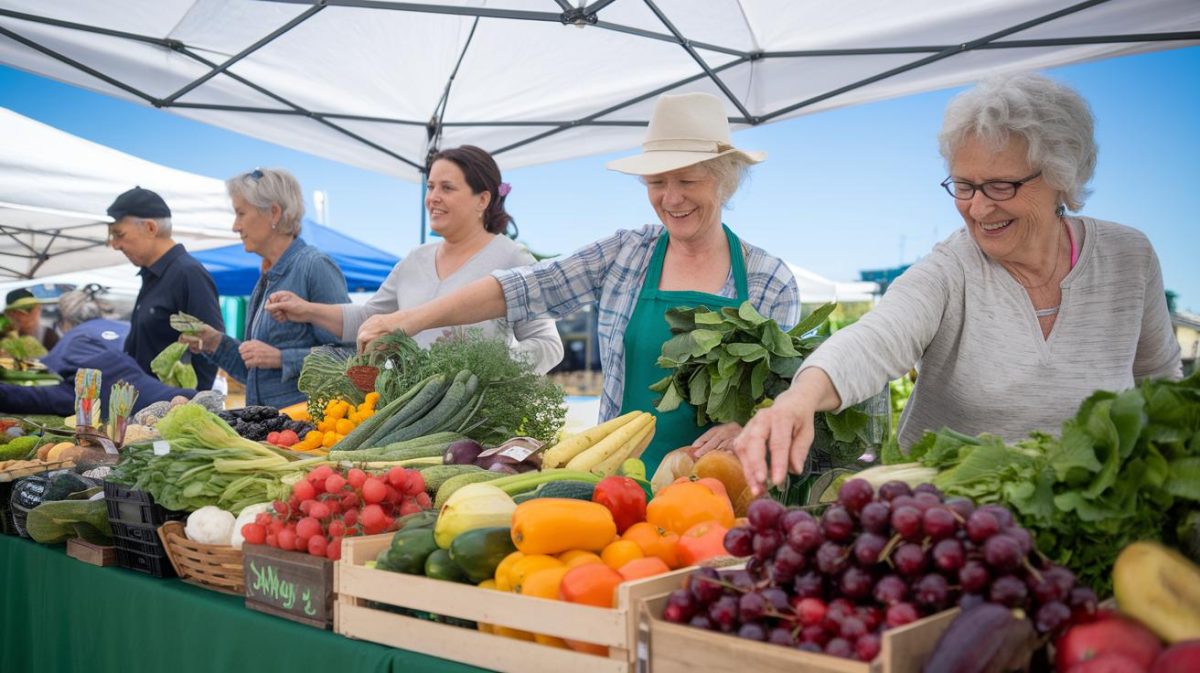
[[624, 498]]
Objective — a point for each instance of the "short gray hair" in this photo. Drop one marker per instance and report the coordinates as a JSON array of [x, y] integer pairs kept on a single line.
[[77, 307], [265, 186], [730, 171], [164, 227], [1053, 119]]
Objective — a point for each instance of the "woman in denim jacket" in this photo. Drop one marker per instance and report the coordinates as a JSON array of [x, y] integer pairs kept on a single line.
[[268, 206]]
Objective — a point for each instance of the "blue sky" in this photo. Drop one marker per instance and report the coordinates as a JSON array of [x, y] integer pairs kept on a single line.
[[842, 190]]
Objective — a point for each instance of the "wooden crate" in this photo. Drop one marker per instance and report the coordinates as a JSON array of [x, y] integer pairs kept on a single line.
[[97, 555], [358, 586], [289, 584], [664, 647]]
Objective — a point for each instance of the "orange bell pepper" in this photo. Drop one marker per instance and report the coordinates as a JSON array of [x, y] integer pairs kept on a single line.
[[680, 506], [545, 583], [712, 483], [701, 542], [643, 567], [554, 525], [655, 541]]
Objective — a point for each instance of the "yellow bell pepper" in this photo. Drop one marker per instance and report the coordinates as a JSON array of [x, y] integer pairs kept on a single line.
[[554, 525]]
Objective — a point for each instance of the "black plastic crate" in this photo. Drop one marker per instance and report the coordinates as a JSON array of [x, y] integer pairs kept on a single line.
[[135, 533], [154, 548], [155, 565], [126, 505], [6, 521]]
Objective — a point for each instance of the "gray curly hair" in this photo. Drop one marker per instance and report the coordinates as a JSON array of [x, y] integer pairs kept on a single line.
[[265, 186], [1054, 121], [79, 306]]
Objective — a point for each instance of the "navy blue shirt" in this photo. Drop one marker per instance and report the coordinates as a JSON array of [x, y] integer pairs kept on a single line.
[[176, 282], [95, 344]]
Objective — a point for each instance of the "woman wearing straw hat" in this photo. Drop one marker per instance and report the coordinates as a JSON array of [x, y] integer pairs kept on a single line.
[[690, 169]]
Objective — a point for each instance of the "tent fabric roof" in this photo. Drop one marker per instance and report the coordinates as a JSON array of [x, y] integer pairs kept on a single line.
[[55, 187], [376, 83], [365, 267], [817, 289]]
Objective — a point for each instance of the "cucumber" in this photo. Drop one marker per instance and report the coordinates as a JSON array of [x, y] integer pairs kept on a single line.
[[513, 484], [454, 483], [420, 447], [368, 427], [479, 551], [459, 394], [439, 566], [438, 474], [467, 413], [416, 407], [566, 488]]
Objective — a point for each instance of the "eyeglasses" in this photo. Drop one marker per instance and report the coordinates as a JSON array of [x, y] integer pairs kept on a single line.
[[996, 190], [255, 174]]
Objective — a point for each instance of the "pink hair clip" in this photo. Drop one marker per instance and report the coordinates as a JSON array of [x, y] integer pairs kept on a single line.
[[504, 189]]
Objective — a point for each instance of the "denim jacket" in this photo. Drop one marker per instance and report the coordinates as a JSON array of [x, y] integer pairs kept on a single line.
[[313, 276]]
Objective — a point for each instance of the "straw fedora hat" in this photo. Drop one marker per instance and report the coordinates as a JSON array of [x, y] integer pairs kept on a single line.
[[685, 129]]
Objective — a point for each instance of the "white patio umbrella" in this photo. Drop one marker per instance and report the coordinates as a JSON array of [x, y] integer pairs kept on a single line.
[[381, 84]]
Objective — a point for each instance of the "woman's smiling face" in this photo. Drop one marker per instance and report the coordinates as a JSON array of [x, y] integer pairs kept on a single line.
[[1011, 229], [686, 200]]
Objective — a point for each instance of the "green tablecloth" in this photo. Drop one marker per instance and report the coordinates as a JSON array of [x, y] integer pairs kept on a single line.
[[59, 615]]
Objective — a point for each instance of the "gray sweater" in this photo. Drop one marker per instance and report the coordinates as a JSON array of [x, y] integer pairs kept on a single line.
[[415, 281], [983, 364]]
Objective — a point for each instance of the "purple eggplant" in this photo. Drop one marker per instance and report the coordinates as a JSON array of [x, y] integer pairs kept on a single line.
[[462, 452]]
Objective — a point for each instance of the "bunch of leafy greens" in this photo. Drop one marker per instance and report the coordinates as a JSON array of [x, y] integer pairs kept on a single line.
[[208, 464], [516, 400], [729, 362], [1126, 468], [22, 347], [323, 378]]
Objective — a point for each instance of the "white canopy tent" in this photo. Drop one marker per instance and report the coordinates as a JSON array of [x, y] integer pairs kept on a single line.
[[817, 289], [378, 84], [55, 188]]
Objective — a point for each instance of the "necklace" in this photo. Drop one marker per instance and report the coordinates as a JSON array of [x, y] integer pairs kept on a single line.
[[1053, 272]]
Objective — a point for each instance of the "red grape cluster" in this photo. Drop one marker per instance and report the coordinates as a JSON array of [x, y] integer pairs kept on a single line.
[[870, 562]]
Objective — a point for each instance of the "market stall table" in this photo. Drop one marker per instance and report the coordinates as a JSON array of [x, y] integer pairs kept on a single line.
[[58, 614]]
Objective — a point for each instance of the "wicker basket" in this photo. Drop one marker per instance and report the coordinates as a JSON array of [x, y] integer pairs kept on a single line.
[[217, 567]]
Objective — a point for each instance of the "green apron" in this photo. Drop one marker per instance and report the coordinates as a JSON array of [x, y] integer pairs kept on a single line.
[[645, 334]]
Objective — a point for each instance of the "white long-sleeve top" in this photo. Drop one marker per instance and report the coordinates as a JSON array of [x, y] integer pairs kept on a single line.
[[415, 281], [983, 364]]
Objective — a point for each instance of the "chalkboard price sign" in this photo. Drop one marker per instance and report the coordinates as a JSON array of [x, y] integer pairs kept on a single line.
[[291, 585]]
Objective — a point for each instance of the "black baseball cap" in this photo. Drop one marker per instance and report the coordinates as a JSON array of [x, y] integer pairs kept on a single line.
[[20, 300], [138, 202]]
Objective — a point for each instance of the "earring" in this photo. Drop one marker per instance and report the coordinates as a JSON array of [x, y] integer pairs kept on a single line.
[[1060, 210]]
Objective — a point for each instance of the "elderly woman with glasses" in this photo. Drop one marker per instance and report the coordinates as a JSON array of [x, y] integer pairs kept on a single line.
[[268, 207], [1014, 319]]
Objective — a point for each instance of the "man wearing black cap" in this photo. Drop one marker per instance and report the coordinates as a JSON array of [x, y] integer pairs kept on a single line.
[[172, 280], [24, 311]]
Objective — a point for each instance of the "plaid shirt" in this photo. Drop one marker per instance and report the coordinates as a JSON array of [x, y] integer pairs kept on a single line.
[[611, 272]]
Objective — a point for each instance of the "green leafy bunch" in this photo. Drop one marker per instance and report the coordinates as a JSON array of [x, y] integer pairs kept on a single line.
[[728, 363], [516, 400], [323, 378], [1125, 468]]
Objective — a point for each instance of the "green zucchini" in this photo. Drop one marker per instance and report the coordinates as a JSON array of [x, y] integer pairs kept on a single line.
[[459, 394], [479, 551], [454, 483], [439, 566], [429, 395], [409, 549], [513, 484], [438, 474], [467, 413], [368, 427]]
